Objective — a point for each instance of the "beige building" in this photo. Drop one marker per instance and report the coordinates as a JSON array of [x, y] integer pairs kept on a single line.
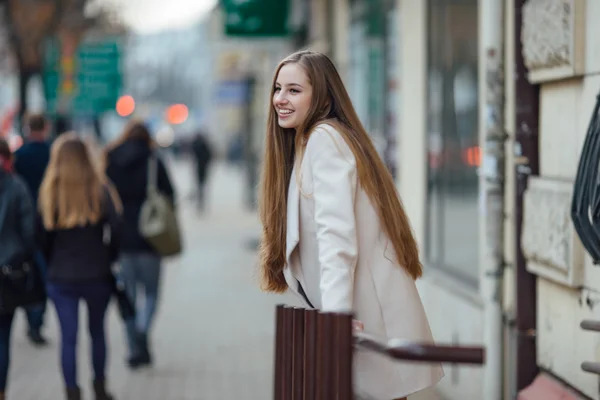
[[558, 282], [531, 326], [240, 81]]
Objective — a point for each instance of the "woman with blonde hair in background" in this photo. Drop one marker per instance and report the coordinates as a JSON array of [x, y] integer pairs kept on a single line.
[[80, 215], [334, 229]]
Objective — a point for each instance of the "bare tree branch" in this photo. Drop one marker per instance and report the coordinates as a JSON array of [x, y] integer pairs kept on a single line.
[[28, 23]]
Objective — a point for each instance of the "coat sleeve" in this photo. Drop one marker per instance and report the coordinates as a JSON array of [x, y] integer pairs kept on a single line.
[[164, 184], [27, 217], [333, 169], [115, 224]]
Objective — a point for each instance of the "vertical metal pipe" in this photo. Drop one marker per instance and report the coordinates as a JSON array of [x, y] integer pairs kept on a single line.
[[278, 364], [298, 354], [343, 346], [324, 357], [250, 156], [492, 179], [288, 351], [310, 354], [329, 29], [527, 156]]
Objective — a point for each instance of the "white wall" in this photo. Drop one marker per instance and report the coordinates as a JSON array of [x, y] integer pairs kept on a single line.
[[565, 110], [411, 137]]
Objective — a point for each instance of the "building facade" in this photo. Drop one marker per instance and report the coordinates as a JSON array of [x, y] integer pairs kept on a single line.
[[548, 283], [485, 105], [462, 71]]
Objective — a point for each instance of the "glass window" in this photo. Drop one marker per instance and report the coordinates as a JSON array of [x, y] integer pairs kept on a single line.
[[453, 145], [369, 62], [391, 90]]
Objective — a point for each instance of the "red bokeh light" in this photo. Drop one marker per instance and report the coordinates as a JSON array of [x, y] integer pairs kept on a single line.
[[125, 106], [177, 114]]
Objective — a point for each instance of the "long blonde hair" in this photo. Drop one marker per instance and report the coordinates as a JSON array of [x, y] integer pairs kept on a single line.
[[330, 104], [73, 190]]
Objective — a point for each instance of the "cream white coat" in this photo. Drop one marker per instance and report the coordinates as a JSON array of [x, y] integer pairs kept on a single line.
[[338, 252]]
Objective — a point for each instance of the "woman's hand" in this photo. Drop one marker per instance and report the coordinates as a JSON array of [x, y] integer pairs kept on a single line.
[[357, 326]]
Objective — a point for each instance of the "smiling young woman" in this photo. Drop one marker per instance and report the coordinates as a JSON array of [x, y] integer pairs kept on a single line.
[[334, 229]]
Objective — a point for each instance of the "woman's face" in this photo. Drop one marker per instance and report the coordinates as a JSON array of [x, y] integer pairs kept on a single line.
[[292, 96]]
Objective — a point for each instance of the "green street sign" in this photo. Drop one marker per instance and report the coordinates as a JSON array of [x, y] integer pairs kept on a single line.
[[256, 18], [89, 83]]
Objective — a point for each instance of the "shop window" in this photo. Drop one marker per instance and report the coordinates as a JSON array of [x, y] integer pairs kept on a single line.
[[452, 139]]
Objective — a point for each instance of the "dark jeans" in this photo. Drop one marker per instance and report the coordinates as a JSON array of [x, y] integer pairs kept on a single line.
[[140, 269], [35, 314], [6, 321], [66, 300]]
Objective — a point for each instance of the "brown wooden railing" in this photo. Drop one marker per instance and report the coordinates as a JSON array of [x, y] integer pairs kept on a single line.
[[313, 354]]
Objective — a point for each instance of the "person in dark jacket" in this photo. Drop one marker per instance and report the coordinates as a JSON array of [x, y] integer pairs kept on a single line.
[[30, 162], [127, 167], [17, 241], [203, 155], [79, 210]]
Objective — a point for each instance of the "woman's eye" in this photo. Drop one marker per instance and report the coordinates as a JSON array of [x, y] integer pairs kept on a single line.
[[294, 91], [277, 89]]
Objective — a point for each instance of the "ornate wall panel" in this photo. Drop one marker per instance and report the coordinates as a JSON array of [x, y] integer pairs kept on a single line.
[[553, 38], [550, 243]]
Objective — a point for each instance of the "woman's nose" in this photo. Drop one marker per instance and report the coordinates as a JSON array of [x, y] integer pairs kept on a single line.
[[280, 99]]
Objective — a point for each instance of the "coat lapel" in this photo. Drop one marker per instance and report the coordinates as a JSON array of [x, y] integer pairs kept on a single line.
[[293, 217]]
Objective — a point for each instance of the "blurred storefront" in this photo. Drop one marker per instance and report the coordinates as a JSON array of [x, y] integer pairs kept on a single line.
[[452, 132], [372, 70], [438, 180]]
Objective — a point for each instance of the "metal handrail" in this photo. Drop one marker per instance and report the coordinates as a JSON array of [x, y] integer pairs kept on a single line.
[[411, 351], [314, 353], [593, 326], [590, 325]]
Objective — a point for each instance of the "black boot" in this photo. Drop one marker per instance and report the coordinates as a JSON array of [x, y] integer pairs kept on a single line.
[[100, 391], [146, 357], [143, 357], [73, 394], [36, 338]]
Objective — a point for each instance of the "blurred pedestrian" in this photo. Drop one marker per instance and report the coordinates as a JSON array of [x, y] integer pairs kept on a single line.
[[80, 215], [334, 229], [17, 241], [127, 162], [203, 156], [30, 163]]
